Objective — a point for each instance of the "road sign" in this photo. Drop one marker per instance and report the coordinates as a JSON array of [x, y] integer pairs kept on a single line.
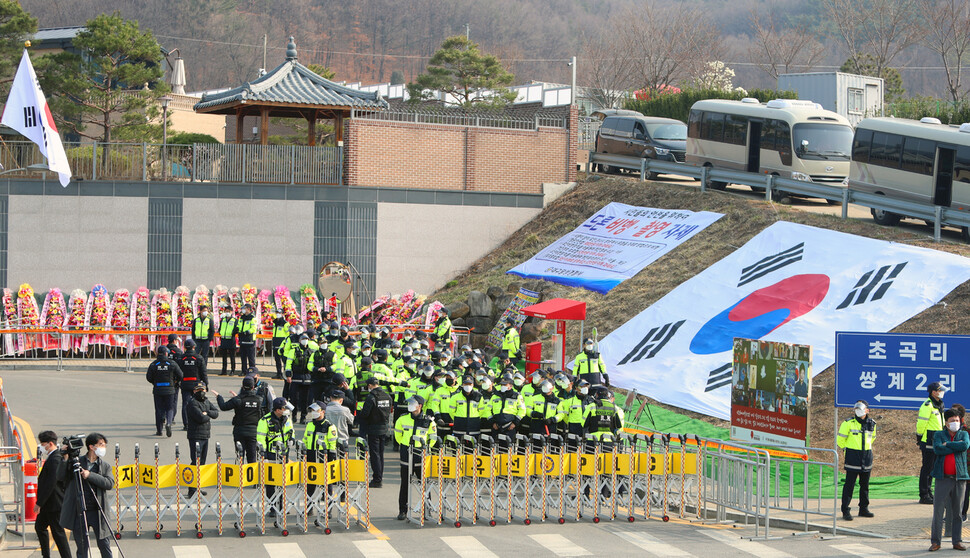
[[892, 370]]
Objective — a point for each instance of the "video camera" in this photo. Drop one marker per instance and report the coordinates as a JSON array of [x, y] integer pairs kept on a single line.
[[74, 445]]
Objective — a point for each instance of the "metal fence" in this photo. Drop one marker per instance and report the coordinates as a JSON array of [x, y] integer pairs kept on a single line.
[[457, 118], [200, 162], [774, 186], [12, 471], [588, 128]]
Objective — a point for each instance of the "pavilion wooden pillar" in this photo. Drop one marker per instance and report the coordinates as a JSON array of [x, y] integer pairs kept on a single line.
[[312, 128], [240, 117], [264, 125], [338, 127]]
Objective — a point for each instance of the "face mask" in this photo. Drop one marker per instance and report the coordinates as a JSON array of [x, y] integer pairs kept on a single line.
[[443, 362], [351, 352], [366, 352], [314, 415], [953, 426], [44, 452], [304, 342], [547, 389], [860, 413], [487, 386], [286, 412], [588, 347], [503, 388], [518, 383], [100, 451], [441, 381], [536, 379], [324, 346], [396, 352], [205, 314], [466, 389], [412, 407], [449, 382], [199, 395], [334, 332], [583, 391]]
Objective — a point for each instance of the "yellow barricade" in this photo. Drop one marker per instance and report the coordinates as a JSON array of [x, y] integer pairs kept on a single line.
[[584, 464], [127, 476]]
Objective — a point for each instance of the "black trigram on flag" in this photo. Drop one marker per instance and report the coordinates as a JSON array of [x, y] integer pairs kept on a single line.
[[652, 342], [31, 117], [719, 377], [879, 280], [771, 263]]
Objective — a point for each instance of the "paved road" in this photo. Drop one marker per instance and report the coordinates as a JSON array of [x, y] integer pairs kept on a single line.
[[120, 406]]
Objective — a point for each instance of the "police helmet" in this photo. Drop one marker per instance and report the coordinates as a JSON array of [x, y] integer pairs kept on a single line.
[[395, 344], [380, 354], [294, 330], [506, 379], [427, 370]]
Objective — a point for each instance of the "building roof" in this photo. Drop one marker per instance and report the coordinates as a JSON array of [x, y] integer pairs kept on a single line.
[[291, 83], [57, 33], [557, 309]]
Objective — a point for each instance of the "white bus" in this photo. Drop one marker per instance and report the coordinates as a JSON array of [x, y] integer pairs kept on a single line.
[[921, 161], [749, 136]]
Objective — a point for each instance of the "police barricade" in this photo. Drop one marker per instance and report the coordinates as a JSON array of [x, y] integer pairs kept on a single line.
[[12, 460], [467, 480], [230, 494]]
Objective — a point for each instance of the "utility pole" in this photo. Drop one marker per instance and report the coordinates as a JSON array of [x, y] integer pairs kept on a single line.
[[467, 33], [264, 51], [572, 92]]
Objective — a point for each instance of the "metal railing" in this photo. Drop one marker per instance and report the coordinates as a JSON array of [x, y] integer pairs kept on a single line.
[[588, 128], [12, 470], [458, 118], [775, 185], [200, 162]]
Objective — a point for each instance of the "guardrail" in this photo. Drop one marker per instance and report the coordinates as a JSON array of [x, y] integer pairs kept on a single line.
[[773, 185], [12, 461]]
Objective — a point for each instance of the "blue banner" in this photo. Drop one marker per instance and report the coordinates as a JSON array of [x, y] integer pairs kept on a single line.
[[614, 245], [893, 370]]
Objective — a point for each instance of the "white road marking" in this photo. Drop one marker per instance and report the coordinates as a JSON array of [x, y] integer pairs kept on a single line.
[[376, 549], [196, 551], [750, 547], [468, 547], [862, 550], [560, 545], [284, 550], [651, 544]]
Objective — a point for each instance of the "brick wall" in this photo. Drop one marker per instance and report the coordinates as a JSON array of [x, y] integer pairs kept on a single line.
[[434, 156]]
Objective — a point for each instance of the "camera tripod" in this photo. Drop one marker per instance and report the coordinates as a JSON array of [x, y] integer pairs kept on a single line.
[[78, 480]]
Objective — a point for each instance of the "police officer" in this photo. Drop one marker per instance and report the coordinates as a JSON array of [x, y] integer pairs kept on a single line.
[[200, 411], [173, 346], [855, 437], [602, 421], [507, 408], [280, 333], [411, 432], [928, 423], [274, 433], [164, 375], [193, 373], [321, 371], [248, 407], [286, 351], [464, 408], [203, 331], [228, 329], [589, 366], [438, 405], [297, 374], [442, 330], [319, 439], [247, 328], [510, 341], [572, 409], [489, 401], [543, 410], [373, 420]]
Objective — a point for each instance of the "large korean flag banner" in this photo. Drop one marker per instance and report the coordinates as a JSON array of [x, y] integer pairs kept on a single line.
[[790, 283], [614, 245]]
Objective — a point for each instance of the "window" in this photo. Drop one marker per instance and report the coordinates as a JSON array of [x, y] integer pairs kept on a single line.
[[713, 125], [861, 145], [609, 127], [624, 127], [886, 149], [857, 101], [694, 124], [768, 134], [961, 166], [782, 137], [894, 150], [919, 156], [639, 131], [735, 129]]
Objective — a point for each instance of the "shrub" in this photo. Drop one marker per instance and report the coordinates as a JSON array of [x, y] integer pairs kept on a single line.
[[188, 138], [677, 105]]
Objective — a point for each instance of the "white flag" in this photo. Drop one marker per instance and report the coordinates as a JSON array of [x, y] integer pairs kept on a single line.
[[27, 112]]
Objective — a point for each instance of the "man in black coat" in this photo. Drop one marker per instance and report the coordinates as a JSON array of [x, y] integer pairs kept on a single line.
[[248, 408], [193, 373], [164, 375], [96, 479], [50, 496], [173, 346], [200, 411], [373, 423]]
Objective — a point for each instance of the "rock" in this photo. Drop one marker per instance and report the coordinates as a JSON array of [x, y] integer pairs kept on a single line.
[[513, 287], [501, 303], [457, 310], [530, 332], [494, 292], [534, 285], [479, 340], [479, 304], [479, 325], [458, 322]]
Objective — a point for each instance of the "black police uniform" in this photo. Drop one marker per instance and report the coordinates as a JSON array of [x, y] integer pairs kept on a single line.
[[374, 417], [193, 374], [165, 376], [248, 407]]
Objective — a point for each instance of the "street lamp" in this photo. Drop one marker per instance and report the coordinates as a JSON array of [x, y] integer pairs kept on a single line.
[[165, 100], [37, 167]]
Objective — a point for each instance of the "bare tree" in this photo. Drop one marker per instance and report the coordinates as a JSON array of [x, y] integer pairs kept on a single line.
[[878, 28], [668, 44], [948, 35], [606, 70], [779, 49]]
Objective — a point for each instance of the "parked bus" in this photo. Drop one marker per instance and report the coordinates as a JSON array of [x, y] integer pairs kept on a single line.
[[921, 161], [749, 136]]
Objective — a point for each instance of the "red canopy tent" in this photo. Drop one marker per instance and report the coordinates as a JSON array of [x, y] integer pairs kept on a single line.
[[559, 309]]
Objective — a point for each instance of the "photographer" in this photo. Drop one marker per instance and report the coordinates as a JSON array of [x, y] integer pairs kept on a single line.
[[96, 478], [50, 497]]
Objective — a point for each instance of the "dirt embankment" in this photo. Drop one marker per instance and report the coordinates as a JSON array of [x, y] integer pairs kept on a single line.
[[743, 219]]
